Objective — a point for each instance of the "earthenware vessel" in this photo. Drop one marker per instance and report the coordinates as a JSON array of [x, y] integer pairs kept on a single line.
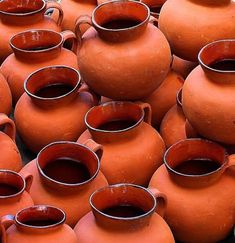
[[5, 97]]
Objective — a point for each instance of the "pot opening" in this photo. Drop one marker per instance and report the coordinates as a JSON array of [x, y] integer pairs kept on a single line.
[[11, 184], [118, 15], [123, 201], [114, 117], [218, 56], [68, 163], [40, 217], [195, 157], [36, 41], [19, 7]]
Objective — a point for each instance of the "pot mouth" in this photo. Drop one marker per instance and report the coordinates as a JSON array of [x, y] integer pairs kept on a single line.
[[114, 117], [52, 83], [21, 8], [202, 156], [36, 41], [11, 184], [109, 202], [40, 217], [216, 56], [130, 14], [78, 160]]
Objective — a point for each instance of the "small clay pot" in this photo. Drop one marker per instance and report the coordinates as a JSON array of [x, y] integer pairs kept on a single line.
[[125, 213], [37, 224], [5, 98]]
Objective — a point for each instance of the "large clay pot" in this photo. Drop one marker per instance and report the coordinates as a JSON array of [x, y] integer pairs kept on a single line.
[[14, 194], [35, 49], [196, 23], [10, 158], [54, 104], [110, 220], [5, 96], [124, 57], [38, 224], [18, 15], [208, 93], [198, 180], [163, 98], [129, 142], [65, 175]]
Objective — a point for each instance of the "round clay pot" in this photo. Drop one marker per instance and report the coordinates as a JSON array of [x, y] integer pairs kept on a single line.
[[35, 49], [65, 175], [37, 224], [196, 23], [54, 104], [132, 56], [130, 143], [208, 93], [10, 158], [163, 98], [5, 96], [198, 180], [14, 194], [125, 213], [18, 15]]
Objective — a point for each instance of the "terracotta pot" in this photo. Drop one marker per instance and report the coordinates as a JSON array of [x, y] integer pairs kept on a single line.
[[110, 220], [65, 175], [14, 192], [10, 158], [163, 98], [199, 171], [21, 15], [117, 73], [37, 224], [54, 105], [72, 10], [5, 97], [188, 27], [129, 142], [36, 49], [208, 93], [174, 126]]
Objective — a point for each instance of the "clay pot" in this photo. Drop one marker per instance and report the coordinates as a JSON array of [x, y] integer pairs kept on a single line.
[[37, 224], [174, 126], [198, 180], [65, 175], [110, 221], [54, 104], [35, 49], [196, 23], [163, 98], [5, 96], [208, 93], [132, 56], [14, 192], [129, 142], [18, 15], [10, 158]]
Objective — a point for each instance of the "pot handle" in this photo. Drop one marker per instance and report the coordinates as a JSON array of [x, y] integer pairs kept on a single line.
[[85, 88], [10, 128], [84, 19], [161, 201], [6, 222], [153, 20], [147, 111], [95, 147], [28, 181], [58, 7], [67, 35]]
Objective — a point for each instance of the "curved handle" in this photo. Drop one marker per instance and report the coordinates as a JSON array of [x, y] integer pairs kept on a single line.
[[58, 7], [147, 111], [10, 128], [161, 201], [95, 147], [95, 97], [28, 181], [84, 19], [69, 35], [153, 20], [6, 222]]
